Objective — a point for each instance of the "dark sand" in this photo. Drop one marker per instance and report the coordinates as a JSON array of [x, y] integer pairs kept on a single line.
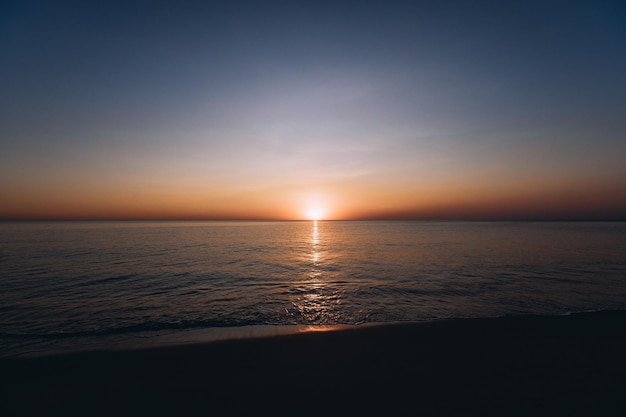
[[532, 365]]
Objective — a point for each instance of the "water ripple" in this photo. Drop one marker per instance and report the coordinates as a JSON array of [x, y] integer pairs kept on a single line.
[[66, 280]]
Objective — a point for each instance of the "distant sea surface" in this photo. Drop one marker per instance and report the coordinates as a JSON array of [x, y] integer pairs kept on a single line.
[[65, 284]]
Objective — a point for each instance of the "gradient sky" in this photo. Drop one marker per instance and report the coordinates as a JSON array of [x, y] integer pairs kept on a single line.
[[255, 110]]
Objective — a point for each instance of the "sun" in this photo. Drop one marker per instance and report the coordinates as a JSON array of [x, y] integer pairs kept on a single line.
[[315, 213]]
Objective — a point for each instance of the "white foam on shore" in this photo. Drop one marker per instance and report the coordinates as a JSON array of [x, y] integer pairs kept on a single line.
[[215, 334], [170, 338], [156, 339]]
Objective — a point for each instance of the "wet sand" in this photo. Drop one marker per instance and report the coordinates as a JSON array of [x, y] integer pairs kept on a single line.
[[529, 365]]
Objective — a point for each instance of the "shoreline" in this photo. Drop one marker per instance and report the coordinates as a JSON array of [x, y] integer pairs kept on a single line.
[[514, 365], [168, 338], [175, 338]]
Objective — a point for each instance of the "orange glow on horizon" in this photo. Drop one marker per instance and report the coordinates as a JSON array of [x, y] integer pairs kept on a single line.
[[338, 201]]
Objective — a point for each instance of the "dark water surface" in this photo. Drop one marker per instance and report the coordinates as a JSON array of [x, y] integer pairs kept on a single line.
[[65, 283]]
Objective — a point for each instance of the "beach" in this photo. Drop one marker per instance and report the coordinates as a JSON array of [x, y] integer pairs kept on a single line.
[[517, 365], [312, 208]]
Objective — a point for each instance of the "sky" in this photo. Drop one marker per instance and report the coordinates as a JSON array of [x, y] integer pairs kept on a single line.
[[291, 110]]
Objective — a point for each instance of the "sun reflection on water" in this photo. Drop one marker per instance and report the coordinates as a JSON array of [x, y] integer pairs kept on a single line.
[[315, 250], [315, 297]]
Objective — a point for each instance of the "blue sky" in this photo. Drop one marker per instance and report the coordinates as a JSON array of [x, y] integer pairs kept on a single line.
[[379, 109]]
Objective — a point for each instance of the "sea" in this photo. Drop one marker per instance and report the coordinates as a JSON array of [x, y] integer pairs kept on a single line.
[[88, 285]]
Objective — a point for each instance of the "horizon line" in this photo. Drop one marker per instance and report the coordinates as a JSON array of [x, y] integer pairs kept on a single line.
[[178, 219]]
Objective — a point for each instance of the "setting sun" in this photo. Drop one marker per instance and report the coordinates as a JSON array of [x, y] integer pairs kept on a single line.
[[315, 213]]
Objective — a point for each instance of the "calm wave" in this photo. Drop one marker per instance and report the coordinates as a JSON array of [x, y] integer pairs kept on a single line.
[[70, 280]]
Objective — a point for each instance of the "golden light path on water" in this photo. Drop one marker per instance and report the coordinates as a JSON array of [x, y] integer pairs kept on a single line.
[[315, 250], [317, 301]]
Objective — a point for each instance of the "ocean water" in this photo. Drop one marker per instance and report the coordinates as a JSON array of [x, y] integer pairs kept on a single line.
[[68, 284]]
